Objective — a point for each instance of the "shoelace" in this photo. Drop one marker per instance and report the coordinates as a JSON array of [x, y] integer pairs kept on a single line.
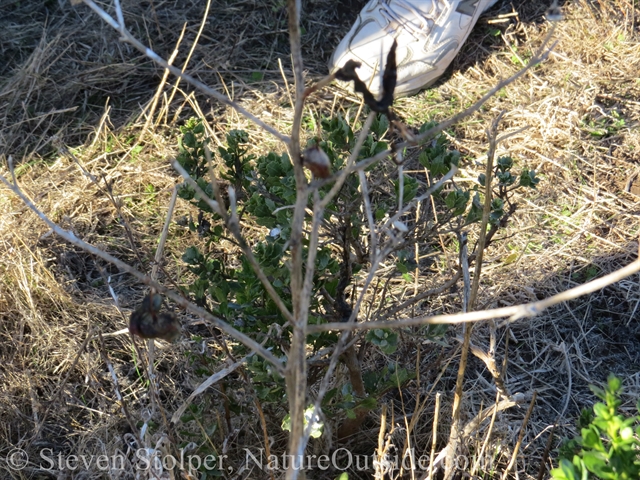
[[393, 17]]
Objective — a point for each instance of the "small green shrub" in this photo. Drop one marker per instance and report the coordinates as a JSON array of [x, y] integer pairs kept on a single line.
[[265, 189], [608, 447]]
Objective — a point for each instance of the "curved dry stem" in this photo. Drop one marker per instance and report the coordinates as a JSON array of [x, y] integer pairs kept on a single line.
[[176, 297], [127, 37], [513, 313], [216, 377]]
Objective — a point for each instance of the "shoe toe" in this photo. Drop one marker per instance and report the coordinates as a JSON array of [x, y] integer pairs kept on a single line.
[[429, 34], [368, 44]]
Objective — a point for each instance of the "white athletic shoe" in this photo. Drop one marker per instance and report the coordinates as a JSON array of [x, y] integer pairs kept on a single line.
[[429, 34]]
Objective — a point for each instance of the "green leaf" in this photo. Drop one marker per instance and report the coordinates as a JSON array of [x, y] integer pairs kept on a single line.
[[386, 340], [591, 439], [565, 471], [457, 201], [602, 411], [199, 128], [505, 163], [330, 396], [475, 212], [380, 125], [192, 256], [614, 384], [270, 204], [594, 461], [369, 403], [189, 139], [528, 179]]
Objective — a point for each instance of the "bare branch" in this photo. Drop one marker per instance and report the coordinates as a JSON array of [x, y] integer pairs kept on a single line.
[[296, 375], [454, 433], [127, 37], [176, 297], [540, 57], [492, 134], [364, 187], [513, 313]]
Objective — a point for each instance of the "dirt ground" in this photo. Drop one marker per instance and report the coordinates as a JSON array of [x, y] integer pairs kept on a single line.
[[66, 82]]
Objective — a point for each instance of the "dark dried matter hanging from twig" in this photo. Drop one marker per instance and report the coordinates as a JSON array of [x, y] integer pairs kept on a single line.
[[147, 321], [389, 78], [348, 74]]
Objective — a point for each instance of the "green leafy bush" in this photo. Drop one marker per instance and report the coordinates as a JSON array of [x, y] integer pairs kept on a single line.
[[609, 445], [265, 189]]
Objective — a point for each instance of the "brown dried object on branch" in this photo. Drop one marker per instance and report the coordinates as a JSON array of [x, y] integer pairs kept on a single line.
[[348, 74], [148, 322], [316, 160]]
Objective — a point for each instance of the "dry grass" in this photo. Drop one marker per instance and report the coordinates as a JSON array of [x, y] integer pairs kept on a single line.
[[62, 66]]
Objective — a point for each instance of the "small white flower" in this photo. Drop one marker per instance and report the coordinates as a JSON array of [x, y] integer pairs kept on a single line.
[[275, 232]]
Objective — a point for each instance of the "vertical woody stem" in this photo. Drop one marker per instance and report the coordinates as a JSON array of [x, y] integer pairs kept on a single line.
[[296, 372]]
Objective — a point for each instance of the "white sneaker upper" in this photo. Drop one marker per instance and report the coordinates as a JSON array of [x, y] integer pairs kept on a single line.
[[429, 35]]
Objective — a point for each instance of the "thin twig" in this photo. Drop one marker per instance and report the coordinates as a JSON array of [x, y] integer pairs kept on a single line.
[[514, 455], [547, 449], [513, 313], [434, 435], [492, 134], [127, 37], [296, 373], [175, 296], [469, 298], [373, 241], [454, 434], [153, 384]]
